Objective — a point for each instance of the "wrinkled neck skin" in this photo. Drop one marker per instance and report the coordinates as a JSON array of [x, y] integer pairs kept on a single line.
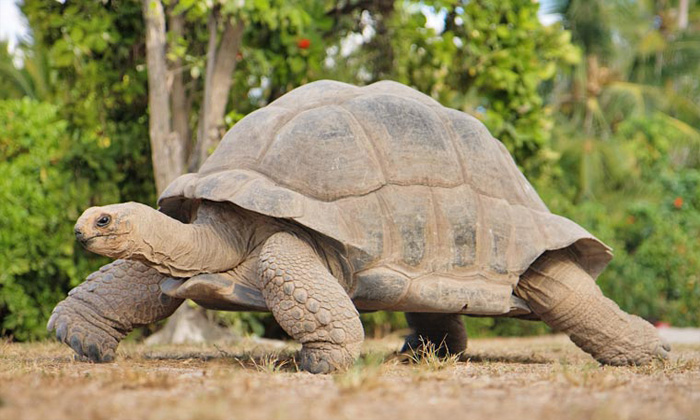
[[220, 238]]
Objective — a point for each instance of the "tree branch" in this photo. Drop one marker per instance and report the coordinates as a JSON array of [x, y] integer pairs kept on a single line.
[[221, 63], [195, 159], [179, 100], [166, 150]]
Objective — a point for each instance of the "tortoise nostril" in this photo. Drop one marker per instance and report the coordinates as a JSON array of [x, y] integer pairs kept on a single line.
[[78, 233]]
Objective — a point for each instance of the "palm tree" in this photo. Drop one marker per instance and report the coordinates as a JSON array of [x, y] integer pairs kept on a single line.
[[608, 89], [30, 79]]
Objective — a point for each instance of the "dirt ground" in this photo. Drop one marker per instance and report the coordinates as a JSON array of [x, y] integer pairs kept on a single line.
[[525, 378]]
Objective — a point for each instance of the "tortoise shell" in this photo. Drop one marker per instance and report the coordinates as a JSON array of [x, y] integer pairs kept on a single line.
[[430, 210]]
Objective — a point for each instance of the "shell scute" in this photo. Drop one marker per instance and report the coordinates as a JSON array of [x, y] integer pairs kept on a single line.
[[321, 153], [410, 140], [245, 143], [460, 216]]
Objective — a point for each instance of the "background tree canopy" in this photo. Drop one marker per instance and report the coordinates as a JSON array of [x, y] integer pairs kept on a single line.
[[600, 108]]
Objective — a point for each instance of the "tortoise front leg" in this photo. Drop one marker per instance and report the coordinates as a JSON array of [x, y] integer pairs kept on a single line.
[[560, 291], [309, 304], [445, 332], [100, 312]]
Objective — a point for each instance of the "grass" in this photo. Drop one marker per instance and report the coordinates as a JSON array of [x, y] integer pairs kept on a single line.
[[272, 364], [591, 376], [427, 356], [530, 378], [364, 375]]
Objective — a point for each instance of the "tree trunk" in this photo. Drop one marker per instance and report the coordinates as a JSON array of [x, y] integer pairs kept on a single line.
[[170, 132], [180, 103], [221, 63], [189, 325], [683, 15], [169, 139], [166, 149]]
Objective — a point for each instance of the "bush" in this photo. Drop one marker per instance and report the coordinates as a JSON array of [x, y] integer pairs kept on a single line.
[[39, 202], [654, 272]]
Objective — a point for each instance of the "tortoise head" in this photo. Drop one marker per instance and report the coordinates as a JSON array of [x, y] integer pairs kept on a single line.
[[112, 230]]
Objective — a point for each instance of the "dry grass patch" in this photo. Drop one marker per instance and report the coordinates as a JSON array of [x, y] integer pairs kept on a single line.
[[543, 378], [591, 376], [364, 375]]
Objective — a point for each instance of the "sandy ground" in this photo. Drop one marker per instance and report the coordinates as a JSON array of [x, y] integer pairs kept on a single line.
[[525, 378]]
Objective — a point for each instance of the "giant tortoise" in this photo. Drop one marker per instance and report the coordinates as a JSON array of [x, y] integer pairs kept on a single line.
[[334, 199]]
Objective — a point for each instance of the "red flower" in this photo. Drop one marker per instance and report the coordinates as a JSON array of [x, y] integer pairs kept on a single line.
[[304, 43], [678, 202]]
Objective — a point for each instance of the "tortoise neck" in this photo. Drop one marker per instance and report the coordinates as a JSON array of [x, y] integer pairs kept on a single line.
[[217, 241]]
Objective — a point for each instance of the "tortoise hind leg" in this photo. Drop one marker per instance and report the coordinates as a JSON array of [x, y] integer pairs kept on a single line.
[[564, 296], [309, 304], [100, 312], [444, 332]]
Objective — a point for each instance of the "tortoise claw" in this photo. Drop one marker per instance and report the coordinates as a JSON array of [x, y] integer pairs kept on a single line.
[[76, 345], [662, 350], [73, 326], [61, 332]]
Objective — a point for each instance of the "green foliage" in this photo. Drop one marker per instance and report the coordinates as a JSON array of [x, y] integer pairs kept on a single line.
[[590, 23], [39, 200], [243, 323], [628, 134], [380, 323], [95, 51], [652, 223], [503, 327], [90, 146], [283, 47], [657, 255], [32, 80], [489, 60]]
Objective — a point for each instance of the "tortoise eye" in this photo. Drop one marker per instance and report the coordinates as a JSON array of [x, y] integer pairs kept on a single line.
[[103, 221]]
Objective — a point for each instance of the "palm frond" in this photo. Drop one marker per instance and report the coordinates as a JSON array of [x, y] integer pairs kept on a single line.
[[19, 80]]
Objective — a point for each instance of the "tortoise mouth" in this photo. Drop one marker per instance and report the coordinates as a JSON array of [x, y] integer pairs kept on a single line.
[[85, 241]]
